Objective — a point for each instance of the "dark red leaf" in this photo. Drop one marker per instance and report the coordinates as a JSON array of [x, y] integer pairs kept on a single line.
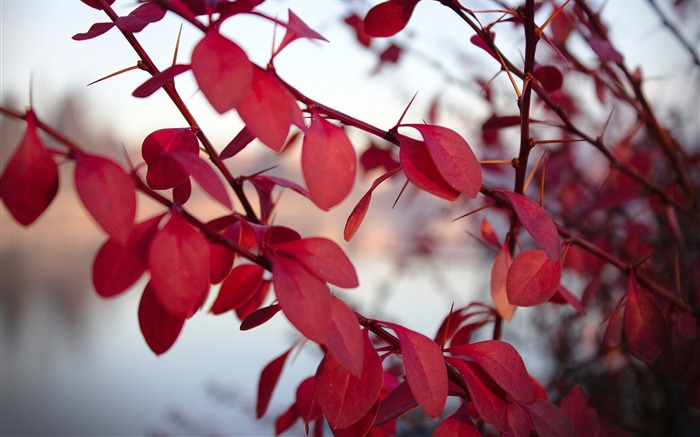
[[178, 259], [391, 54], [488, 398], [420, 169], [296, 29], [358, 213], [159, 80], [323, 258], [454, 159], [222, 70], [496, 122], [117, 266], [95, 30], [425, 369], [532, 278], [397, 403], [259, 317], [550, 77], [563, 295], [549, 419], [239, 286], [268, 110], [328, 162], [345, 338], [537, 222], [159, 149], [343, 397], [499, 277], [304, 298], [238, 143], [108, 194], [159, 327], [503, 364], [268, 380], [605, 51], [459, 424], [205, 175], [389, 18], [361, 427], [140, 17], [583, 417], [30, 180], [286, 419], [182, 192], [358, 26], [645, 327], [518, 424], [306, 403], [478, 41], [375, 157]]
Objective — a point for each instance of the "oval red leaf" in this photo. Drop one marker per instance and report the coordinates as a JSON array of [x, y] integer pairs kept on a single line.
[[328, 162], [323, 258], [645, 327], [499, 276], [420, 169], [178, 259], [222, 70], [268, 380], [205, 176], [488, 398], [30, 180], [537, 222], [549, 419], [532, 279], [159, 147], [388, 18], [345, 338], [159, 80], [238, 287], [159, 327], [459, 424], [107, 192], [360, 210]]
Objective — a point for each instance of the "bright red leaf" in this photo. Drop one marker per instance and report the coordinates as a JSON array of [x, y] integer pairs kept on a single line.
[[345, 398], [268, 380], [532, 278], [358, 213], [459, 424], [454, 159], [537, 222], [239, 286], [328, 162], [159, 80], [222, 70], [361, 427], [296, 29], [108, 194], [518, 423], [304, 298], [499, 275], [159, 327], [397, 403], [420, 169], [30, 180], [159, 150], [345, 338], [645, 327], [140, 17], [205, 175], [388, 18], [425, 369], [178, 259], [323, 258], [488, 398]]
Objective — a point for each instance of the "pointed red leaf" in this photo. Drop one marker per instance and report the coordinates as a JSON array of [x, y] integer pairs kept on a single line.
[[420, 169], [345, 338], [178, 259], [205, 176], [645, 327], [222, 70], [361, 427], [549, 419], [425, 369], [239, 286], [306, 403], [537, 222], [118, 266], [328, 162], [397, 403], [268, 110], [532, 278], [489, 234], [108, 194], [30, 180], [454, 159], [323, 258], [488, 398], [519, 421], [503, 364], [304, 298], [358, 213], [563, 296], [584, 418], [499, 276], [604, 49], [459, 424], [95, 30], [238, 143], [343, 397], [159, 80], [159, 327], [296, 29], [159, 150], [259, 317], [268, 380], [388, 18], [140, 17]]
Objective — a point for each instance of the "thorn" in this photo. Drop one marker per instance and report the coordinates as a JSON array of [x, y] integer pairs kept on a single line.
[[544, 171], [406, 110], [134, 67], [473, 212], [400, 194], [532, 173], [549, 20], [177, 45], [447, 327]]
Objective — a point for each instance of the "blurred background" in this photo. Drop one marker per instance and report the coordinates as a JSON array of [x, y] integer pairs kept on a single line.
[[75, 364]]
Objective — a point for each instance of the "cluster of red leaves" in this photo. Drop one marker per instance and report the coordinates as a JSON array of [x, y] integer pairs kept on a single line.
[[351, 390]]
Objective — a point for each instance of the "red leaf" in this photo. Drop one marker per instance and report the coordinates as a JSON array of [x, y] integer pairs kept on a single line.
[[389, 18], [550, 77], [268, 380], [458, 424], [496, 122], [489, 234], [532, 278], [205, 176], [343, 397], [323, 258], [645, 327], [328, 162], [519, 421], [296, 29], [479, 41], [345, 338], [238, 143], [584, 418], [397, 403], [361, 427], [140, 17], [549, 419], [563, 295], [178, 259], [30, 180], [425, 369], [259, 316], [304, 298], [159, 327], [117, 266], [268, 110], [358, 26], [420, 169], [159, 149], [605, 51], [222, 70], [306, 401], [488, 398], [499, 276], [238, 287], [182, 192], [159, 80], [454, 159], [108, 194], [503, 364], [537, 222], [358, 213], [95, 30]]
